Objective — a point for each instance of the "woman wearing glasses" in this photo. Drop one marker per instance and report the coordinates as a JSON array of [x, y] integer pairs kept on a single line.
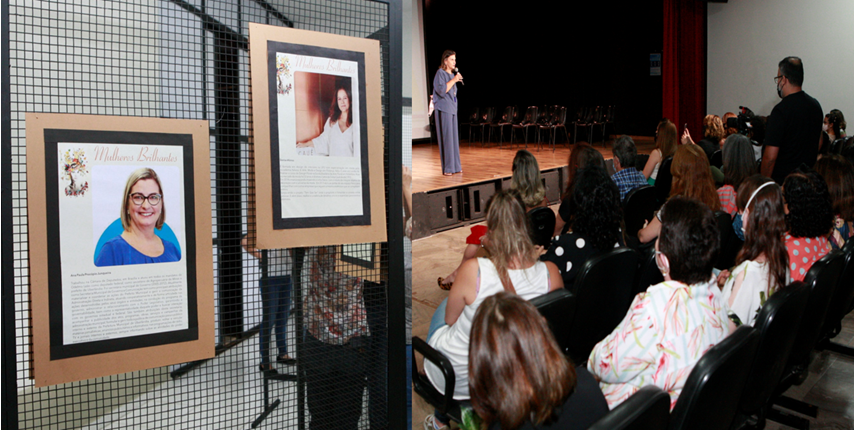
[[142, 211]]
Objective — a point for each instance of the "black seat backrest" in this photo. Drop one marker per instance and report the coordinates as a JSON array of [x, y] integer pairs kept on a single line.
[[558, 308], [779, 318], [709, 398], [730, 244], [843, 297], [445, 403], [647, 409], [542, 221], [664, 181], [603, 290], [717, 159], [638, 207], [648, 273], [821, 281]]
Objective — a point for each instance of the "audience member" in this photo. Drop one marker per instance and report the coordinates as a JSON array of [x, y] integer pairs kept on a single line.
[[713, 135], [520, 379], [627, 177], [809, 218], [793, 134], [691, 178], [834, 125], [738, 165], [665, 146], [594, 226], [512, 266], [671, 325], [761, 265], [526, 180], [838, 173], [728, 131], [582, 155]]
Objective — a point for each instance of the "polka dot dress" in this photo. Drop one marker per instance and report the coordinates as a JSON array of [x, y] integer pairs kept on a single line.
[[803, 252], [569, 252]]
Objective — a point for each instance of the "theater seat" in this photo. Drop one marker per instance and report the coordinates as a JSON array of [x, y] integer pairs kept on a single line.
[[558, 308], [663, 181], [647, 409], [445, 403]]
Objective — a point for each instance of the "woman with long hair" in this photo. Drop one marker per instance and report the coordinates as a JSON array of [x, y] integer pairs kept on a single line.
[[520, 379], [445, 103], [809, 218], [671, 325], [582, 154], [337, 137], [512, 266], [834, 125], [762, 264], [526, 180], [838, 172], [666, 140], [691, 178], [739, 163], [594, 226]]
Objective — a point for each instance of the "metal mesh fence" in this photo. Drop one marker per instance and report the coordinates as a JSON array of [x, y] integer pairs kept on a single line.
[[188, 59]]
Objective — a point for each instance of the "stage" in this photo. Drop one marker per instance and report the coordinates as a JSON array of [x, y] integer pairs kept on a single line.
[[443, 202]]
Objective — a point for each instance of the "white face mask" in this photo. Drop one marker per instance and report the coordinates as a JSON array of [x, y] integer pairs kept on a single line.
[[824, 127]]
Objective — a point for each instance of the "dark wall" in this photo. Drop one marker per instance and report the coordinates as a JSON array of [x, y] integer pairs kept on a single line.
[[537, 53]]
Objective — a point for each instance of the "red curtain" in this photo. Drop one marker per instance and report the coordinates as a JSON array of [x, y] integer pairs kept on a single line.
[[684, 64]]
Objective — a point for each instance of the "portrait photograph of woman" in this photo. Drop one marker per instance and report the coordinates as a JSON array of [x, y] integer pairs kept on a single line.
[[326, 115]]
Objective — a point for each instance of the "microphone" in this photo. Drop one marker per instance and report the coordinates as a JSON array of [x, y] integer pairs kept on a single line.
[[457, 70]]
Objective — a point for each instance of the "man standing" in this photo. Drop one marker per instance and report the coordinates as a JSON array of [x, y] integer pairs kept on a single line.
[[627, 177], [794, 127]]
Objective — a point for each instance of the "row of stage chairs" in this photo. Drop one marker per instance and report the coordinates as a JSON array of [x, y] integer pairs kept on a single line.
[[734, 385], [547, 120]]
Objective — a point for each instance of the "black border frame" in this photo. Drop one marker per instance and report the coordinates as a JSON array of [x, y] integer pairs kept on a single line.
[[279, 223], [52, 137]]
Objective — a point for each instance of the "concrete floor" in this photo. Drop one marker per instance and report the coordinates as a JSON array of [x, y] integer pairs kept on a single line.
[[830, 384]]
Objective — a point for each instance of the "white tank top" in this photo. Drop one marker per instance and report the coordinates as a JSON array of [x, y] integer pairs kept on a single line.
[[453, 340]]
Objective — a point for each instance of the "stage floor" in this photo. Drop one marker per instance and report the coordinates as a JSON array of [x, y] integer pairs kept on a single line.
[[485, 164]]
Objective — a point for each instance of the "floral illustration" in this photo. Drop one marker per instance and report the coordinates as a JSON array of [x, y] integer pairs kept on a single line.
[[75, 171], [283, 74]]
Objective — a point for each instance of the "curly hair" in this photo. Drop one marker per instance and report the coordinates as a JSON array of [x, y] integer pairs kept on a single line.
[[582, 155], [527, 180], [810, 210], [692, 176], [596, 209], [713, 128], [839, 175], [764, 228]]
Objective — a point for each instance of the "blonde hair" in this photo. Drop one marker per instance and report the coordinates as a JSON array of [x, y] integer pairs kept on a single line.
[[139, 175], [713, 127], [508, 235], [527, 180]]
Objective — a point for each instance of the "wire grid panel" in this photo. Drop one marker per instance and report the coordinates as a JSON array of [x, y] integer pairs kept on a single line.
[[189, 60]]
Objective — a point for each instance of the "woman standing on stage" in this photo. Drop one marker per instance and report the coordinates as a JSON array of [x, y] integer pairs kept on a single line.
[[445, 100]]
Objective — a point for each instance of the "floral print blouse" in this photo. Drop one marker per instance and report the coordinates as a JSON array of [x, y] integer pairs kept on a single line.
[[666, 331], [334, 308]]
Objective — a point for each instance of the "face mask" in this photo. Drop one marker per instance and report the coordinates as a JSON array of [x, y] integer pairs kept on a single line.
[[779, 92], [824, 127]]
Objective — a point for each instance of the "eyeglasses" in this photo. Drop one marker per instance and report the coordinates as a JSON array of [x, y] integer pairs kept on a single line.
[[139, 198], [777, 78]]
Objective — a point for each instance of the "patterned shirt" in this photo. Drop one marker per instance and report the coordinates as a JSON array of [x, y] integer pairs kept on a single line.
[[727, 196], [803, 252], [666, 331], [627, 180], [334, 309]]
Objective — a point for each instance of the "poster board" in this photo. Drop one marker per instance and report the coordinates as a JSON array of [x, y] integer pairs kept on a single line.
[[106, 300], [318, 142]]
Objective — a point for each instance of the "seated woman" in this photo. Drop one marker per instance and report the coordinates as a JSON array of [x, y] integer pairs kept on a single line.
[[809, 218], [691, 178], [738, 164], [671, 325], [582, 155], [761, 265], [838, 172], [526, 180], [665, 146], [143, 210], [512, 266], [594, 226], [713, 135], [520, 379]]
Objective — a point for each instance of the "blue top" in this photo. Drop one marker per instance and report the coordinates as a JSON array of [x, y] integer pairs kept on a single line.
[[117, 252], [627, 180], [444, 101]]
